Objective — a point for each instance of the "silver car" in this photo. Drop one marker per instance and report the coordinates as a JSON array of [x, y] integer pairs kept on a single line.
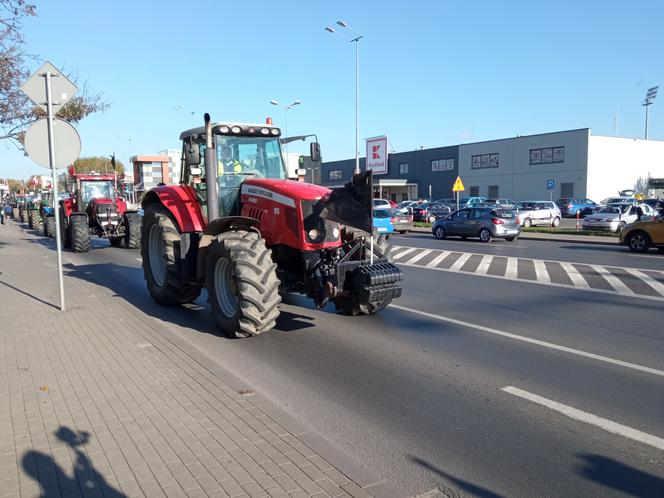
[[533, 213], [483, 222], [617, 216]]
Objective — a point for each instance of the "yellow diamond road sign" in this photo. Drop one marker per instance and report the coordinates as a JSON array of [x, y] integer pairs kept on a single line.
[[458, 185]]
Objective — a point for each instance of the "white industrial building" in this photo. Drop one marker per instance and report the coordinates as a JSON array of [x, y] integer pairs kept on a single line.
[[571, 163]]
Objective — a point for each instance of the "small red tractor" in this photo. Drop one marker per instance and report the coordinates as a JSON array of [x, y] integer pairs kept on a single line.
[[93, 208], [236, 226]]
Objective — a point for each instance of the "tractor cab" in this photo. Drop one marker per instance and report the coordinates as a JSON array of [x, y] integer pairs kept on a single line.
[[242, 151], [97, 188]]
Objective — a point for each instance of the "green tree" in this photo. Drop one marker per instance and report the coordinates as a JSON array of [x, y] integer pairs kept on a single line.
[[641, 186], [16, 110], [98, 164]]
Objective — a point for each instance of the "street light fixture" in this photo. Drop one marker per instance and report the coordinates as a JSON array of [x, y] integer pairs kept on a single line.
[[286, 108], [357, 37], [649, 100], [191, 113]]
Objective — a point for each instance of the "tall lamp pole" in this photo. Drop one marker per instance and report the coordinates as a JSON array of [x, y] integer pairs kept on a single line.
[[649, 100], [357, 36], [286, 108]]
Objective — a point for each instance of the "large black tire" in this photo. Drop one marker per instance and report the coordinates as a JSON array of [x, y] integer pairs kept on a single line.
[[79, 233], [24, 215], [132, 237], [242, 284], [65, 232], [160, 265], [384, 247], [31, 218], [485, 235], [50, 226], [439, 233], [44, 227]]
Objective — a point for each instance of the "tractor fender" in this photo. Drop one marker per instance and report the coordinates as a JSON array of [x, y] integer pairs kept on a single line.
[[219, 226], [182, 203]]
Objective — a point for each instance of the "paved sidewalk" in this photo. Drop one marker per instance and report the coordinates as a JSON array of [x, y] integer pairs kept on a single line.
[[100, 401]]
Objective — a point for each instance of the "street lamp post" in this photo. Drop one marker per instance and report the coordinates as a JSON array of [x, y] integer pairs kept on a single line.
[[191, 113], [357, 37], [649, 100], [286, 108]]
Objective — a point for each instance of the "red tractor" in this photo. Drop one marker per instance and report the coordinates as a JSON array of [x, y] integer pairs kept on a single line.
[[239, 228], [93, 208]]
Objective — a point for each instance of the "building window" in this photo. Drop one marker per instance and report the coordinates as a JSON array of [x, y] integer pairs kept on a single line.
[[493, 191], [547, 155], [335, 174], [474, 191], [485, 161], [442, 165], [566, 190], [403, 168]]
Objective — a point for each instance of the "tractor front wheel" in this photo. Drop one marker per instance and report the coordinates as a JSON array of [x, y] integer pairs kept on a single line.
[[132, 236], [242, 284], [79, 233], [50, 226], [159, 241], [36, 221]]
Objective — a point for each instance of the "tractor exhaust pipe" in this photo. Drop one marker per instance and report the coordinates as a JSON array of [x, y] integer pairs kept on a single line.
[[211, 172]]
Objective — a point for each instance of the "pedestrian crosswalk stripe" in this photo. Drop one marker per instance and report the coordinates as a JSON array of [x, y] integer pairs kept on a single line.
[[659, 288], [541, 271], [416, 258], [581, 276], [614, 281], [574, 275], [460, 262], [435, 261]]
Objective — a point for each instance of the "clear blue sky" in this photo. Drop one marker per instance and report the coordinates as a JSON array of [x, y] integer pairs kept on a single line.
[[432, 73]]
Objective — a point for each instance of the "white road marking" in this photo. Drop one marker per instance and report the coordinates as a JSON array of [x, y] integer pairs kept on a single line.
[[614, 281], [659, 288], [537, 342], [511, 271], [460, 262], [542, 274], [403, 253], [574, 275], [416, 258], [483, 268], [589, 418], [434, 262]]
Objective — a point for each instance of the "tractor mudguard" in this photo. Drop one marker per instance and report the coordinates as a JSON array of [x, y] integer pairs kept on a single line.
[[181, 201]]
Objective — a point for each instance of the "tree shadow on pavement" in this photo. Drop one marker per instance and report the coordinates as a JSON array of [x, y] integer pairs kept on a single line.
[[465, 485], [55, 482], [621, 477]]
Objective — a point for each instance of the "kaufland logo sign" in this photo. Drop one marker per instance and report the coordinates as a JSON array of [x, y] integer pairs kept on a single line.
[[377, 155]]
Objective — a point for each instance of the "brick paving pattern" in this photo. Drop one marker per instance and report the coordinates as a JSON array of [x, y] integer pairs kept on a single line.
[[96, 401]]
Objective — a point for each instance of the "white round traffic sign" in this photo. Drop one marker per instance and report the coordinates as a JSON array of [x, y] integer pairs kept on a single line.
[[66, 143]]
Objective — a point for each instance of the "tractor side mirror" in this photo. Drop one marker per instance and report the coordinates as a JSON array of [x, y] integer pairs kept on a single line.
[[192, 154], [314, 151]]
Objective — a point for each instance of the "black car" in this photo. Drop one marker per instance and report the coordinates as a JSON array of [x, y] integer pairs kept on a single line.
[[430, 211]]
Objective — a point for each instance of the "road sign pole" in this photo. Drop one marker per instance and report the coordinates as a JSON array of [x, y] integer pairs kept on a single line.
[[54, 200]]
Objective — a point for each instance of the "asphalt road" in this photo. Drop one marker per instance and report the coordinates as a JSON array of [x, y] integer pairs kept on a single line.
[[473, 385]]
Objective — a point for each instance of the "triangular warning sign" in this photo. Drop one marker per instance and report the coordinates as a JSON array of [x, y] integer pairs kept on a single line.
[[458, 185]]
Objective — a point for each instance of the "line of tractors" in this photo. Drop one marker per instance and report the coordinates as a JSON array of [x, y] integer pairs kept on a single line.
[[239, 229]]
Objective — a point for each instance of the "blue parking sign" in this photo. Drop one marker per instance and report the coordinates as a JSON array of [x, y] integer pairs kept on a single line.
[[550, 184]]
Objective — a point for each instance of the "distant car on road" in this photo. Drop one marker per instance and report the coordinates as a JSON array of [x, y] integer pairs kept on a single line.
[[382, 221], [617, 216], [643, 235], [483, 222], [533, 213], [572, 207], [402, 221], [430, 211]]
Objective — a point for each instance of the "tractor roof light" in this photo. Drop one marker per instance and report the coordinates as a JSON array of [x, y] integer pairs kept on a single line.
[[236, 129], [265, 131], [275, 131], [224, 129]]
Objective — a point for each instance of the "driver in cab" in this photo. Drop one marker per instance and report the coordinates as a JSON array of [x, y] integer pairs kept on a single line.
[[227, 164]]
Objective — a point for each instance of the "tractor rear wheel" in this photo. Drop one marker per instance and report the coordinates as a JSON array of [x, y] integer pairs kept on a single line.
[[242, 284], [132, 236], [50, 226], [159, 237], [24, 216], [79, 233], [36, 220]]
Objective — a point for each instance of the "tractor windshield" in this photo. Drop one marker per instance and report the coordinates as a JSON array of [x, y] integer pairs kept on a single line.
[[97, 189], [249, 156]]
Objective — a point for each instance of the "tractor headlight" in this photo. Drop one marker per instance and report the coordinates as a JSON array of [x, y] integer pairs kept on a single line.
[[224, 129], [335, 232], [313, 234], [265, 131], [275, 131]]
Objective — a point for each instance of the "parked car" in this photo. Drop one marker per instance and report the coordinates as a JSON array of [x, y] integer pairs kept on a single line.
[[643, 235], [572, 207], [503, 203], [466, 202], [402, 221], [617, 200], [430, 211], [533, 213], [382, 221], [617, 216], [483, 222], [406, 206], [381, 204], [656, 204]]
